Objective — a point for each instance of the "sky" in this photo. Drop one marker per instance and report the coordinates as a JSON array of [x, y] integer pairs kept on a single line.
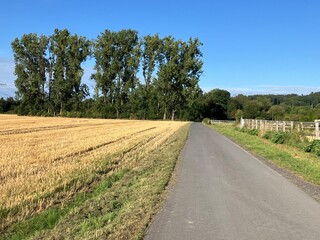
[[249, 46]]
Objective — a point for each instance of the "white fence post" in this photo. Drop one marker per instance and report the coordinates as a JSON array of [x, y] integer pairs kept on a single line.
[[317, 123], [302, 127], [241, 122]]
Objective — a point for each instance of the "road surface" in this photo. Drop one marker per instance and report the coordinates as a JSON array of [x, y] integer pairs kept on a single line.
[[223, 192]]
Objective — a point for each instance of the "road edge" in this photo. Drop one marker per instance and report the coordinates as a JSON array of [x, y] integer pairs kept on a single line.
[[311, 189]]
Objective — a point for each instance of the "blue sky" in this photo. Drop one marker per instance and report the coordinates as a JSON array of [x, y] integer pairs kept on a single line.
[[250, 46]]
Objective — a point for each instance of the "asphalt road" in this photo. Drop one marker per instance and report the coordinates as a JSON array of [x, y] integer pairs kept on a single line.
[[223, 192]]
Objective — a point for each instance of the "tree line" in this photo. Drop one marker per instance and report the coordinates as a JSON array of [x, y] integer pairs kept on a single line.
[[49, 75], [135, 77], [218, 104]]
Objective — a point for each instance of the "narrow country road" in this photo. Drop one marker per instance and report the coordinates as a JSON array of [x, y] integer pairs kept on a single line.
[[223, 192]]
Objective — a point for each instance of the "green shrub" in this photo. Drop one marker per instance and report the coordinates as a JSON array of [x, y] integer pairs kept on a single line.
[[244, 129], [296, 139], [206, 120], [268, 135], [279, 137], [254, 132], [313, 147]]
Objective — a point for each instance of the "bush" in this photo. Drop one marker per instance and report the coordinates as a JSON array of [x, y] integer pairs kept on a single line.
[[254, 132], [268, 135], [279, 137], [313, 147], [206, 120]]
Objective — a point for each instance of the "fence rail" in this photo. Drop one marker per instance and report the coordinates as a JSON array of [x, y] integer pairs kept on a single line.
[[222, 122], [310, 129]]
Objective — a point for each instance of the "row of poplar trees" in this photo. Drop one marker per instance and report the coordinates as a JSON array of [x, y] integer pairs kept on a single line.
[[145, 78]]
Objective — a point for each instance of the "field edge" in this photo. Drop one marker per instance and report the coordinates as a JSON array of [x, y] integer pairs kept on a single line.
[[137, 192]]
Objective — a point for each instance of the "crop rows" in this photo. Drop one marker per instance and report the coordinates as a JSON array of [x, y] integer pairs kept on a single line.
[[36, 164]]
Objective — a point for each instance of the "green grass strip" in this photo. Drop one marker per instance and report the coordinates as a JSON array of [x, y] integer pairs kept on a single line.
[[306, 169], [50, 217]]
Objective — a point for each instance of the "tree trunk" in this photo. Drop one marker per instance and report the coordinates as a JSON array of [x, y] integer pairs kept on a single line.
[[60, 108], [165, 113], [172, 115]]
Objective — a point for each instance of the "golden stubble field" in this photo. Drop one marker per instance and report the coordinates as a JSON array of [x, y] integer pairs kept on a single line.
[[40, 155]]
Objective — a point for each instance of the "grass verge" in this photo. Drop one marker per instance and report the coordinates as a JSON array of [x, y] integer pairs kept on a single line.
[[118, 207], [305, 165]]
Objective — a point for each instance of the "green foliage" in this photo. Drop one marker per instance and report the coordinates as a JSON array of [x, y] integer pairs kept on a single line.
[[117, 60], [254, 132], [238, 115], [313, 147], [8, 105], [279, 137], [277, 107], [67, 53], [290, 138], [50, 217], [30, 68], [277, 112], [49, 75], [49, 72], [268, 135], [216, 104], [206, 120]]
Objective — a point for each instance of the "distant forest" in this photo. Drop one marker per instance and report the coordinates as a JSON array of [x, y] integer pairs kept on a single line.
[[49, 74]]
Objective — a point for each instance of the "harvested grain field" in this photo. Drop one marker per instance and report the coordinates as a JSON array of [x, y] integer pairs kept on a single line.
[[46, 162]]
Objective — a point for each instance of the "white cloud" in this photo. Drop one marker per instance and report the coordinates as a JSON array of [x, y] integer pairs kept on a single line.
[[271, 89]]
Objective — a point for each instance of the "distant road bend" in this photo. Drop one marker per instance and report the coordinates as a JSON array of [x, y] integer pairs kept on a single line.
[[223, 192]]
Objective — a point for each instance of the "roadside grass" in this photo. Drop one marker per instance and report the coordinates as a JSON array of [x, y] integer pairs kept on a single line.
[[118, 206], [48, 218], [305, 165]]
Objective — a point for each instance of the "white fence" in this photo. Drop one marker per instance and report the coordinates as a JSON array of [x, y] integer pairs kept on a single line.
[[310, 129], [222, 122]]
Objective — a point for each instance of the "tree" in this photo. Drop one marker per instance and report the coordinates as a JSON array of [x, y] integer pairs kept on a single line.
[[150, 59], [178, 75], [117, 62], [167, 72], [49, 75], [30, 68], [68, 53], [252, 109], [276, 112], [216, 104], [191, 70], [106, 69]]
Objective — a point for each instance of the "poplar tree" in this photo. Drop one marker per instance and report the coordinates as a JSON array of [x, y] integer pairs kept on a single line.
[[178, 75], [68, 52], [151, 47], [117, 62], [30, 69]]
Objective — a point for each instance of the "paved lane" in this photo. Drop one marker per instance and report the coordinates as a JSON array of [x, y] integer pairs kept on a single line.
[[223, 192]]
